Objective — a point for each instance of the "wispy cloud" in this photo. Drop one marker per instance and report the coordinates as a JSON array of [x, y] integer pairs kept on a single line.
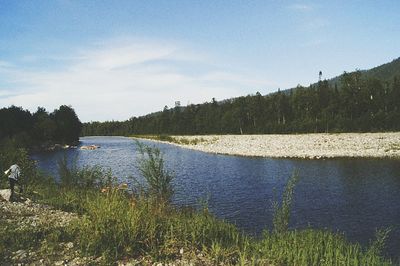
[[116, 80], [301, 7], [4, 65], [314, 24], [314, 43]]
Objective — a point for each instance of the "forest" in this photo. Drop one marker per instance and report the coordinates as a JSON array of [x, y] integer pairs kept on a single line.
[[24, 129], [354, 102]]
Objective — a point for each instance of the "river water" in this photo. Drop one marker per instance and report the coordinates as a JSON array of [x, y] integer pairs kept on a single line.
[[350, 196]]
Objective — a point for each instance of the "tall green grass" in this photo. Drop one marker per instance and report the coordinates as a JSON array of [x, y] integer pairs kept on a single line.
[[316, 247], [282, 210], [158, 180], [86, 177]]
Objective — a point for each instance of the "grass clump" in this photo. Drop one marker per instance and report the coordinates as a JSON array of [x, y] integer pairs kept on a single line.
[[316, 247]]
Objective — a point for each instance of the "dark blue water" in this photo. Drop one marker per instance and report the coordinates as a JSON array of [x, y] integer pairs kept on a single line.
[[354, 196]]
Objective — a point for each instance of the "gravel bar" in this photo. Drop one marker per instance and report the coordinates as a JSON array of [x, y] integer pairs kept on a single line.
[[306, 146]]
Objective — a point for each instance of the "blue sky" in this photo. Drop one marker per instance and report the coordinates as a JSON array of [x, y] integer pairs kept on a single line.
[[117, 59]]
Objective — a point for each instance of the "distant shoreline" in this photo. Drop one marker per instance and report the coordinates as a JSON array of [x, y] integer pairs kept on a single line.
[[301, 146]]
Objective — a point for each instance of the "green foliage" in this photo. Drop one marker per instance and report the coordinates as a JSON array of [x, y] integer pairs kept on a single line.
[[315, 247], [378, 245], [116, 226], [15, 123], [68, 126], [85, 177], [158, 179], [282, 211], [26, 130], [10, 155]]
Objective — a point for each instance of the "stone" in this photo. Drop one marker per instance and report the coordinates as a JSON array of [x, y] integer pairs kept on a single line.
[[5, 194], [28, 201], [20, 255], [69, 245]]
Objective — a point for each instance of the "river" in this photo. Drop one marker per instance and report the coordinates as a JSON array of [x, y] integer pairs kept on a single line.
[[350, 196]]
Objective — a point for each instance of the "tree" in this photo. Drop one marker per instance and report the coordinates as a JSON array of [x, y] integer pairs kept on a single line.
[[44, 128], [68, 125]]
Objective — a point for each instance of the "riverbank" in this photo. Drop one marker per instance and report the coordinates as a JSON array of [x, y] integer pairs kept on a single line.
[[30, 234], [116, 230], [304, 146], [87, 218]]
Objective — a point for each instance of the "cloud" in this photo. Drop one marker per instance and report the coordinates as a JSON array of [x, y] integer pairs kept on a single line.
[[314, 43], [120, 79], [301, 7], [5, 65]]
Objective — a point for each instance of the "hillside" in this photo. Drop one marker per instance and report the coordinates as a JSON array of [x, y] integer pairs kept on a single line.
[[385, 72], [360, 101]]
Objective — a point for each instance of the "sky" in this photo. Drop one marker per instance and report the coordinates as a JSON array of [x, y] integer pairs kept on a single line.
[[111, 60]]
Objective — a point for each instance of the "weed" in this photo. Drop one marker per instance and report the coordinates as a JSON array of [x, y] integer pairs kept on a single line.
[[282, 211], [158, 179]]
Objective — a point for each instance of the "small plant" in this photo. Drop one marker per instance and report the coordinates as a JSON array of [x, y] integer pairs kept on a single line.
[[152, 168], [86, 177], [378, 245], [282, 211], [67, 171]]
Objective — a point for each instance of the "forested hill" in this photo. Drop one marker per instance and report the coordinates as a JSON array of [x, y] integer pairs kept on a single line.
[[385, 72], [360, 101]]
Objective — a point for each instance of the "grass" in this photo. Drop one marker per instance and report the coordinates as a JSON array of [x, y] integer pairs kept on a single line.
[[115, 225]]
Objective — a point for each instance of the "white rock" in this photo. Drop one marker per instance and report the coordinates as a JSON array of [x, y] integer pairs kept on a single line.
[[5, 194]]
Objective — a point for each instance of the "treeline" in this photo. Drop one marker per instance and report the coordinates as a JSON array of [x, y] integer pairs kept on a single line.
[[358, 105], [27, 130]]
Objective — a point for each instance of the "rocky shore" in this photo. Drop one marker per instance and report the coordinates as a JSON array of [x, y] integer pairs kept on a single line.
[[305, 146], [27, 222]]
